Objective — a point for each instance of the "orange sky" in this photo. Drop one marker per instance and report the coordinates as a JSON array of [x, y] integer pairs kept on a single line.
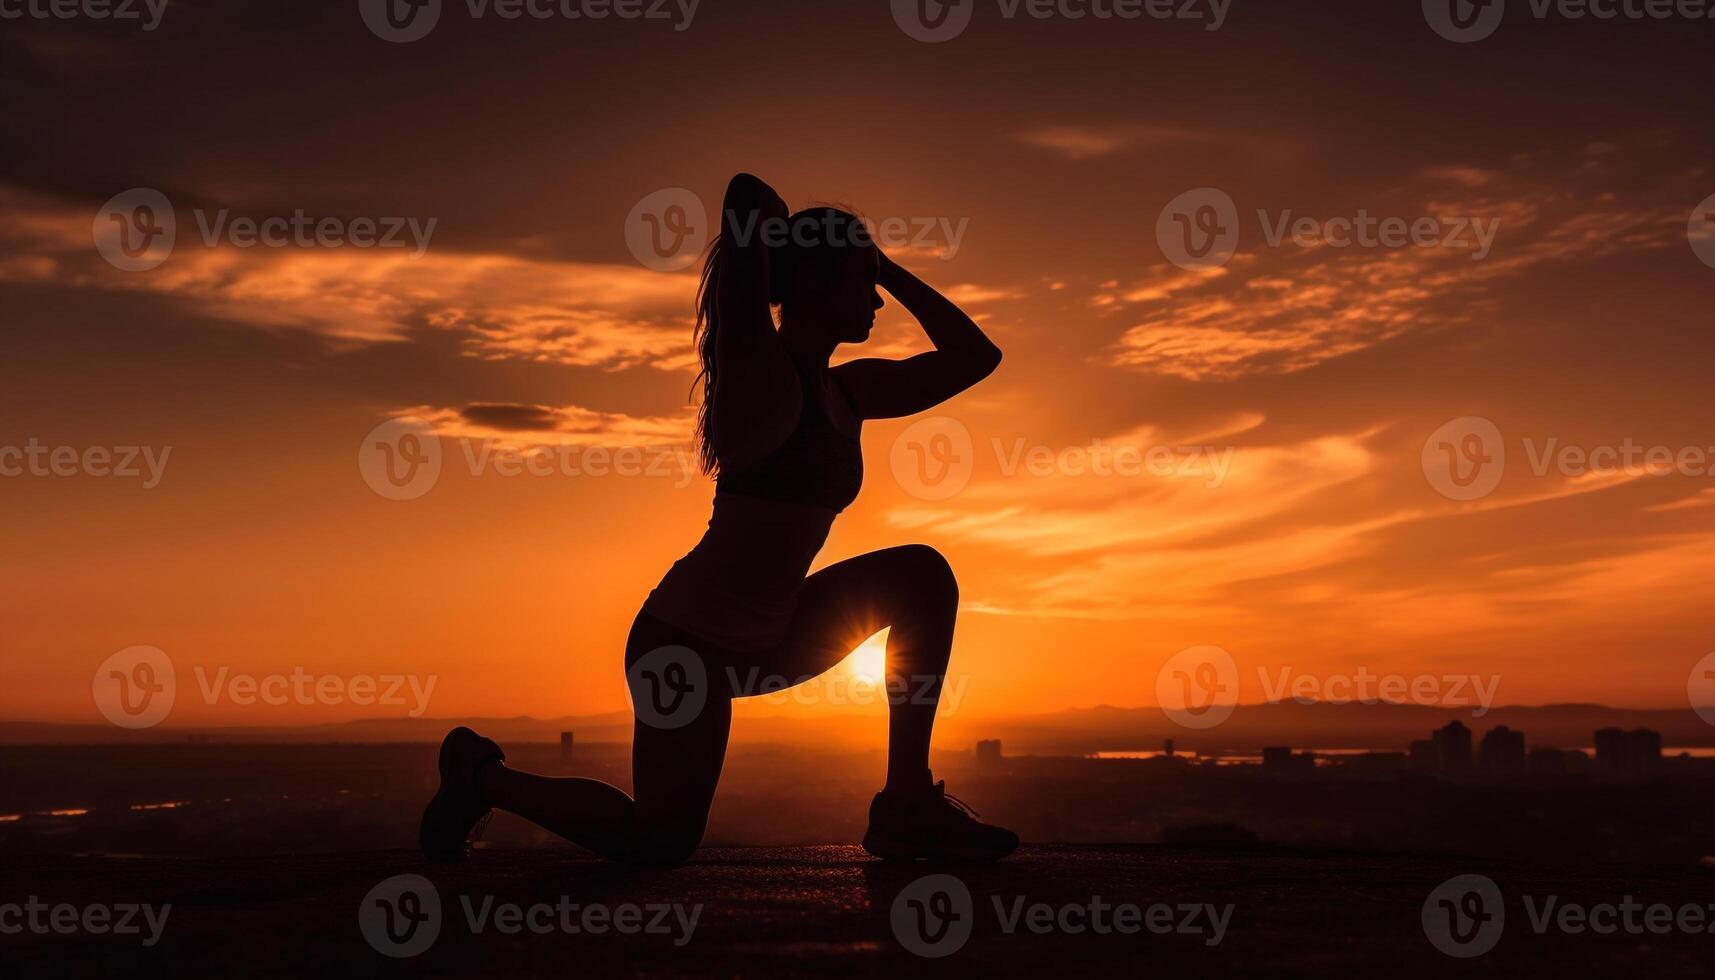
[[1308, 378]]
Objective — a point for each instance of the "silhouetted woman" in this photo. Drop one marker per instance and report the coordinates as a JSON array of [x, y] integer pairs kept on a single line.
[[779, 428]]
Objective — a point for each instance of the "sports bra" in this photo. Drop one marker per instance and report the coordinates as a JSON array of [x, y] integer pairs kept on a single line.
[[817, 464]]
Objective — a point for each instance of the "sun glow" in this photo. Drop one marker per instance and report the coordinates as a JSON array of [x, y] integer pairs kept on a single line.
[[868, 662]]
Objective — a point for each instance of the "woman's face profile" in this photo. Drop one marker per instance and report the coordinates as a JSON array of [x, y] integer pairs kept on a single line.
[[852, 296]]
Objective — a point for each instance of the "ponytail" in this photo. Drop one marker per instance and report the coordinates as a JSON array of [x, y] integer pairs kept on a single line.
[[816, 236], [703, 338]]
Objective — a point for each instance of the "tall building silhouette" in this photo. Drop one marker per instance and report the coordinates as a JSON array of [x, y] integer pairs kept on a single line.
[[565, 745], [1503, 751], [1623, 753], [988, 752], [1453, 743]]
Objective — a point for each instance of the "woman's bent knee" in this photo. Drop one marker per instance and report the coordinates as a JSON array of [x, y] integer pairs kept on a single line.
[[666, 845], [929, 572]]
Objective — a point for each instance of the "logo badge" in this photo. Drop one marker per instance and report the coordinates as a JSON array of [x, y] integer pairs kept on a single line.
[[1199, 229], [401, 917], [1700, 687], [400, 459], [135, 687], [1701, 231], [1198, 687], [667, 230], [933, 915], [933, 21], [135, 230], [1465, 458], [1463, 917], [400, 21], [933, 458], [669, 687], [1464, 21]]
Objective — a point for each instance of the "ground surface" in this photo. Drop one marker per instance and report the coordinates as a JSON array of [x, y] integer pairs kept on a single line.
[[829, 911]]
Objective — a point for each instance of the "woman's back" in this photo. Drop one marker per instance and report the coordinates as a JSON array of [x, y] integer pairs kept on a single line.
[[739, 585]]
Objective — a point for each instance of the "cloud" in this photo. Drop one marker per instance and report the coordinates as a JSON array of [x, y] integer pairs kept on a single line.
[[1287, 307], [530, 426], [1087, 142], [1462, 176], [1238, 522], [506, 307], [971, 294]]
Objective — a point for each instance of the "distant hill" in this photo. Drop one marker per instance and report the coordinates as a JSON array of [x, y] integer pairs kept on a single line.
[[1077, 731]]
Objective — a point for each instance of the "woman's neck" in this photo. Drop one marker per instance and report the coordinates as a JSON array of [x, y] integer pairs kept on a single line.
[[808, 351]]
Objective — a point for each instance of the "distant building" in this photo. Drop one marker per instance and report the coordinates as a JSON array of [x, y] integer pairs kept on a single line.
[[1646, 750], [565, 745], [1611, 748], [1547, 762], [1282, 761], [1425, 756], [1503, 752], [1167, 748], [988, 752], [1453, 742], [1622, 753], [1373, 762]]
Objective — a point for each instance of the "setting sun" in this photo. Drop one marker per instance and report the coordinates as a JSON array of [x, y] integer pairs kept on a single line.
[[868, 662]]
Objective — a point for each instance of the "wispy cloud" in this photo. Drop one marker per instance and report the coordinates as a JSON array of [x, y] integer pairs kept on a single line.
[[505, 306], [1085, 142], [527, 426], [1286, 307]]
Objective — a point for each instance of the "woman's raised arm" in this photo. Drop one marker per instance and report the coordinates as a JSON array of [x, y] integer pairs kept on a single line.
[[963, 354]]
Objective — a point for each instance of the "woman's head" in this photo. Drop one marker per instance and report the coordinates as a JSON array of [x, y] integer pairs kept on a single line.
[[822, 272]]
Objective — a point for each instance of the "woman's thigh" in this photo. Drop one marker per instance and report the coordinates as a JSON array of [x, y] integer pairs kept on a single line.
[[674, 772], [683, 717], [849, 601]]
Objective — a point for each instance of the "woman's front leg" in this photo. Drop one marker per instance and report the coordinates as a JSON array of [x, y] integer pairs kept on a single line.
[[910, 589]]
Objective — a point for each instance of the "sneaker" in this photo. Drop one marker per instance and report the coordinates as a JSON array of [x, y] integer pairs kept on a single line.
[[457, 809], [932, 826]]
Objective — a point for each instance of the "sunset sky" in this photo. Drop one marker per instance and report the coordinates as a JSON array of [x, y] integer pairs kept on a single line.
[[1313, 374]]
